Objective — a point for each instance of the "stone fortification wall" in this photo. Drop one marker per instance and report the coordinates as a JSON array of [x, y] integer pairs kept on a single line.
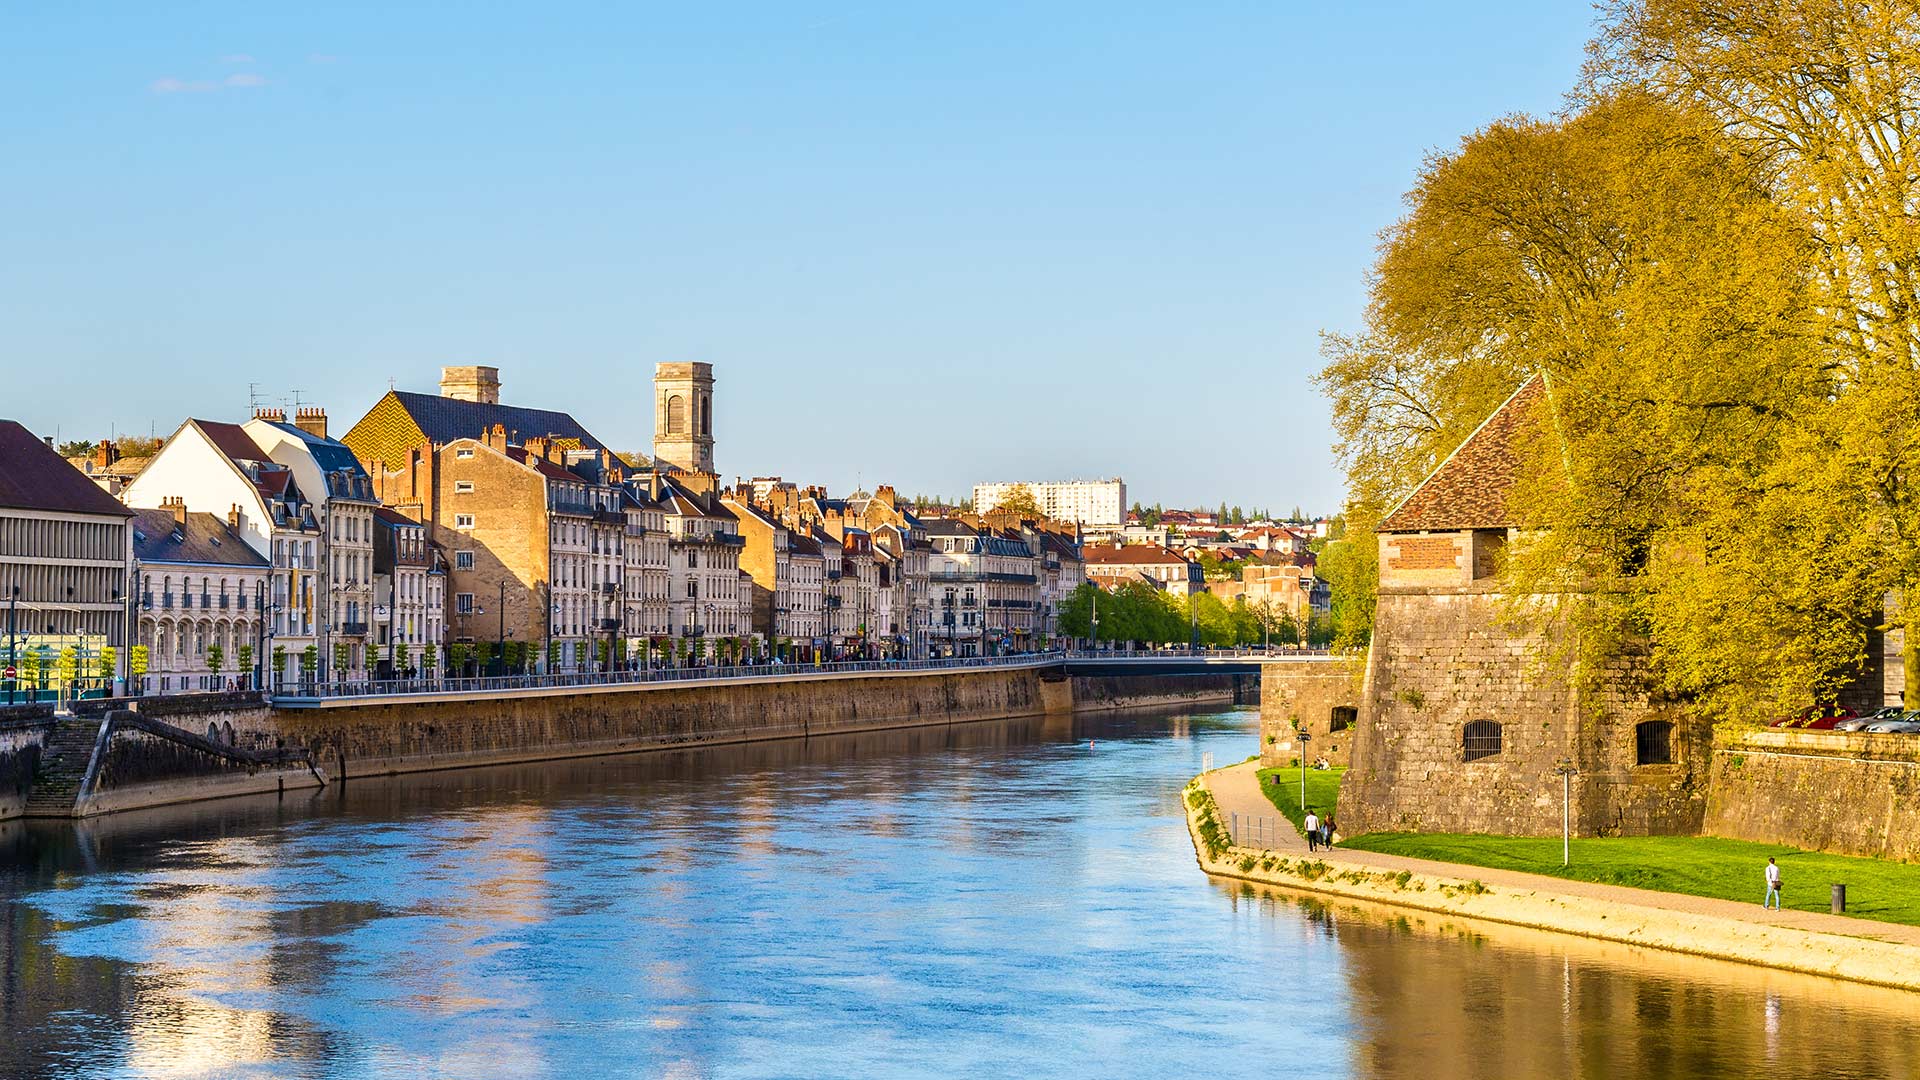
[[1319, 697], [1848, 792], [413, 736], [1442, 657], [23, 731], [1147, 691]]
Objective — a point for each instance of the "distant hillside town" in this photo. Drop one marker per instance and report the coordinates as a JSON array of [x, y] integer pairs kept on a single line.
[[458, 534]]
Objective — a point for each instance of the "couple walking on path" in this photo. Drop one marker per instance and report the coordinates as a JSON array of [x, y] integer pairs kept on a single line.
[[1319, 833]]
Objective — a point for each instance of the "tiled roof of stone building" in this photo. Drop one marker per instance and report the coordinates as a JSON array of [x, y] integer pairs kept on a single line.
[[1470, 488], [203, 539], [34, 477]]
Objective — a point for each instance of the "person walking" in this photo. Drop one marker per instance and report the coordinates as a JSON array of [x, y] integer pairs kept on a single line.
[[1773, 886], [1312, 830], [1326, 832]]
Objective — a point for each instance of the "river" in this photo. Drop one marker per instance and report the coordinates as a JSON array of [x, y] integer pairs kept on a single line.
[[1014, 898]]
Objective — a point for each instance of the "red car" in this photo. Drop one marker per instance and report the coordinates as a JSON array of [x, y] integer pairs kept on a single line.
[[1815, 718]]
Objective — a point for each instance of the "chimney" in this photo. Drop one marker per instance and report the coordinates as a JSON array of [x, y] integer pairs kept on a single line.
[[497, 437], [312, 420], [105, 454], [179, 507], [471, 383], [535, 446], [267, 412], [233, 518]]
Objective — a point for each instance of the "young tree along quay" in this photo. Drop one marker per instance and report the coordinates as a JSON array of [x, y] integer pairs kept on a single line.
[[1705, 489]]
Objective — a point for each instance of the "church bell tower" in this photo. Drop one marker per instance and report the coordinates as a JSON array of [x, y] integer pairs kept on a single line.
[[683, 416]]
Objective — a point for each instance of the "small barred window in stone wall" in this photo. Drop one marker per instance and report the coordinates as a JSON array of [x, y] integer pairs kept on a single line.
[[1653, 741], [1480, 739]]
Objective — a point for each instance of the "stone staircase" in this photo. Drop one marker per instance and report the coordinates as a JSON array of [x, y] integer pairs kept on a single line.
[[63, 764]]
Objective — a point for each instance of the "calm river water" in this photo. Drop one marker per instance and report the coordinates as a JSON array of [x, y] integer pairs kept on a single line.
[[999, 899]]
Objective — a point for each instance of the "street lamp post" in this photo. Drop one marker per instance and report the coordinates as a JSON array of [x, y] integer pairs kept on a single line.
[[1565, 768], [1094, 646], [13, 647], [500, 650], [1305, 738]]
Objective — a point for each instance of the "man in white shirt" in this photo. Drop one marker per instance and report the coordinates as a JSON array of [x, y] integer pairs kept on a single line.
[[1313, 831], [1773, 886]]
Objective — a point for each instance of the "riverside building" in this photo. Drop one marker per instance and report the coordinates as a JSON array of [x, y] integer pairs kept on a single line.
[[66, 559]]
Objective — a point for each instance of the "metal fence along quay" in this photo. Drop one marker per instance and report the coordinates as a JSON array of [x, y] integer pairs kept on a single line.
[[312, 692]]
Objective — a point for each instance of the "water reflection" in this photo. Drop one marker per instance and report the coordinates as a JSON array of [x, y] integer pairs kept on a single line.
[[986, 899]]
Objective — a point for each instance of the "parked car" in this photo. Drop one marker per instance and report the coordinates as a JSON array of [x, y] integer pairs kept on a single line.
[[1859, 723], [1815, 717], [1908, 724]]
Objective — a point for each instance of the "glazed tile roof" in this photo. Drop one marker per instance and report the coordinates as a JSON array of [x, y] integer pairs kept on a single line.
[[204, 539], [402, 420], [33, 476], [1469, 490]]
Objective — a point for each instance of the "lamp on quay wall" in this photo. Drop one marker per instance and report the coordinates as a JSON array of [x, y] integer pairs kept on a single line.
[[1566, 771]]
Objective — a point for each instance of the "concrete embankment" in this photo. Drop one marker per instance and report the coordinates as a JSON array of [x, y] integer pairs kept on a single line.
[[1834, 946]]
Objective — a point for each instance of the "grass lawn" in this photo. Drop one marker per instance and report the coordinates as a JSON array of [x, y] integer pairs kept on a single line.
[[1323, 787], [1695, 865]]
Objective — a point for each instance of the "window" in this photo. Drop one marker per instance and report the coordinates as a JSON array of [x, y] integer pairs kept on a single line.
[[463, 521], [1344, 717], [676, 415], [463, 603], [1480, 739], [463, 487], [463, 454], [463, 560], [1653, 743]]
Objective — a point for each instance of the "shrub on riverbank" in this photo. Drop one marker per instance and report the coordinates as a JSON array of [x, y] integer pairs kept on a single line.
[[1692, 865]]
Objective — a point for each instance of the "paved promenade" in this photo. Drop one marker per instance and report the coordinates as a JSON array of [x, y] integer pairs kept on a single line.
[[1236, 788]]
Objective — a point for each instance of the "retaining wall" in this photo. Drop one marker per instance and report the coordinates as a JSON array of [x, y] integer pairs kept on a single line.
[[23, 731], [576, 722], [1840, 791], [1146, 691]]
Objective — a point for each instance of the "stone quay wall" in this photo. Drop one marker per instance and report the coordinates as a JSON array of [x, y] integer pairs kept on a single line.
[[1840, 791], [419, 735], [1314, 696], [23, 731], [1445, 656]]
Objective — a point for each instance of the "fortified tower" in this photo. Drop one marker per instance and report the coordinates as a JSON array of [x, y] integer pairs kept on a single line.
[[683, 416]]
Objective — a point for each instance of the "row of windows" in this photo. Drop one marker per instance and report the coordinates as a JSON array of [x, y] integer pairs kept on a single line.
[[39, 538], [1652, 741]]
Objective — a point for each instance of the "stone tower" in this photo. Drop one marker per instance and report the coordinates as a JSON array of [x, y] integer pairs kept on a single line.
[[471, 383], [683, 416]]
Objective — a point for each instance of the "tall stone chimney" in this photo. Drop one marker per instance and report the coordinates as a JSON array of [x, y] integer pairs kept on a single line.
[[312, 420], [471, 383]]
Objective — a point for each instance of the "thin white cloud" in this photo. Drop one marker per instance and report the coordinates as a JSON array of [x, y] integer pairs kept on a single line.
[[172, 85], [236, 58], [245, 79]]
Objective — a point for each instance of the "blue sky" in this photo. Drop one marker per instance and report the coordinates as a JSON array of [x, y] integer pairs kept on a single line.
[[924, 245]]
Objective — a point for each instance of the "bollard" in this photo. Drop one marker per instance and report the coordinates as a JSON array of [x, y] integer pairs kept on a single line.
[[1839, 899]]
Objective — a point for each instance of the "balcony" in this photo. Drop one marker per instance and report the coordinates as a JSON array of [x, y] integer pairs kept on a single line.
[[353, 629], [146, 601], [610, 517], [609, 624], [224, 598], [608, 588]]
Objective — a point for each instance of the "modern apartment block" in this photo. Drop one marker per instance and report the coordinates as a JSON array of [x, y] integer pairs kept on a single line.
[[1090, 503]]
